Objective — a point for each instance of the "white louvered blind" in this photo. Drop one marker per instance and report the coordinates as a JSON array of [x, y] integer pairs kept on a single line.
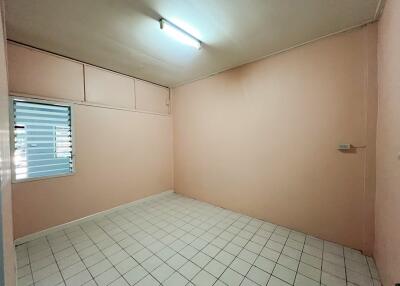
[[42, 140]]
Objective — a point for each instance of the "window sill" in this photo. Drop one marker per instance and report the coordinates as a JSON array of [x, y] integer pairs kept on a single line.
[[14, 181]]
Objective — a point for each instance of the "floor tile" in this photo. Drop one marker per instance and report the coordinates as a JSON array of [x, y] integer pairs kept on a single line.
[[247, 256], [177, 261], [270, 254], [330, 247], [152, 263], [25, 270], [273, 281], [314, 251], [274, 245], [304, 281], [99, 267], [68, 261], [211, 250], [142, 255], [118, 257], [176, 279], [240, 266], [358, 279], [203, 278], [52, 280], [189, 270], [26, 280], [331, 280], [224, 257], [247, 282], [162, 272], [356, 266], [334, 269], [284, 274], [231, 277], [311, 260], [45, 272], [73, 270], [126, 265], [135, 275], [232, 248], [107, 277], [188, 252], [315, 242], [309, 271], [292, 252], [119, 282], [79, 279], [165, 253], [294, 244], [288, 262], [335, 259], [215, 268], [201, 259], [265, 264], [259, 276], [173, 240], [148, 281]]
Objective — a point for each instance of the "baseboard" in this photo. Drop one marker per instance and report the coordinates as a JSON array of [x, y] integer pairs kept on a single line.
[[47, 231]]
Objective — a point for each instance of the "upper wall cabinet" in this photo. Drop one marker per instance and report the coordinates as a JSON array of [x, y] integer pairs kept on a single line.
[[151, 97], [37, 73], [109, 88]]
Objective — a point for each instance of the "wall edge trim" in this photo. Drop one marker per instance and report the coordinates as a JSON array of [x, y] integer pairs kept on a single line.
[[278, 52]]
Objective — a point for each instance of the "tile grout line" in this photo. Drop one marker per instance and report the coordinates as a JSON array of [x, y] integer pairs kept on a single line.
[[144, 246], [55, 260], [279, 264], [30, 265], [212, 258], [130, 255], [81, 260], [149, 218], [322, 261], [345, 268], [235, 256], [298, 265], [258, 255], [106, 258], [209, 243]]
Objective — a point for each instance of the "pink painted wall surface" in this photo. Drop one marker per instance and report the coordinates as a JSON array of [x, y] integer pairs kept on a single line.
[[121, 156], [261, 139], [387, 233]]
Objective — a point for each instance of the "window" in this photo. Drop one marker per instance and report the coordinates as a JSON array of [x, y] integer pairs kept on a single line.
[[42, 139]]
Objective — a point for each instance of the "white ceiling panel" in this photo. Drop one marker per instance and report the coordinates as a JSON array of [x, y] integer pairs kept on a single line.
[[124, 35]]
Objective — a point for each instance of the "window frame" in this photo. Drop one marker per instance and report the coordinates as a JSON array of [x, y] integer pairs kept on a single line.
[[12, 136]]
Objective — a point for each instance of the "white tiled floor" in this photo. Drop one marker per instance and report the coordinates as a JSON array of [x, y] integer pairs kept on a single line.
[[173, 240]]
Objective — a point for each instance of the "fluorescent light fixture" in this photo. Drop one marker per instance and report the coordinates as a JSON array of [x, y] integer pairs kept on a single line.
[[179, 34]]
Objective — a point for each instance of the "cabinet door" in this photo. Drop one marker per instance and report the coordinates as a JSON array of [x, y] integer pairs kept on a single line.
[[151, 97], [109, 88], [38, 73]]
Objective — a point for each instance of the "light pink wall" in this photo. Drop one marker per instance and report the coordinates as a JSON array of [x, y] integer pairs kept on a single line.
[[100, 84], [39, 74], [5, 188], [387, 233], [262, 138], [121, 156]]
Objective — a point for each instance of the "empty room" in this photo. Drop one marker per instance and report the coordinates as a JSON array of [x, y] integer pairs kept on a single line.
[[200, 142]]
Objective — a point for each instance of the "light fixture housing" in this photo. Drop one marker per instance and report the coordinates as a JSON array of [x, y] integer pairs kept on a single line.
[[179, 34]]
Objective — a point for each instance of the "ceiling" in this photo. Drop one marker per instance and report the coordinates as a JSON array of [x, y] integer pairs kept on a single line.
[[124, 35]]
